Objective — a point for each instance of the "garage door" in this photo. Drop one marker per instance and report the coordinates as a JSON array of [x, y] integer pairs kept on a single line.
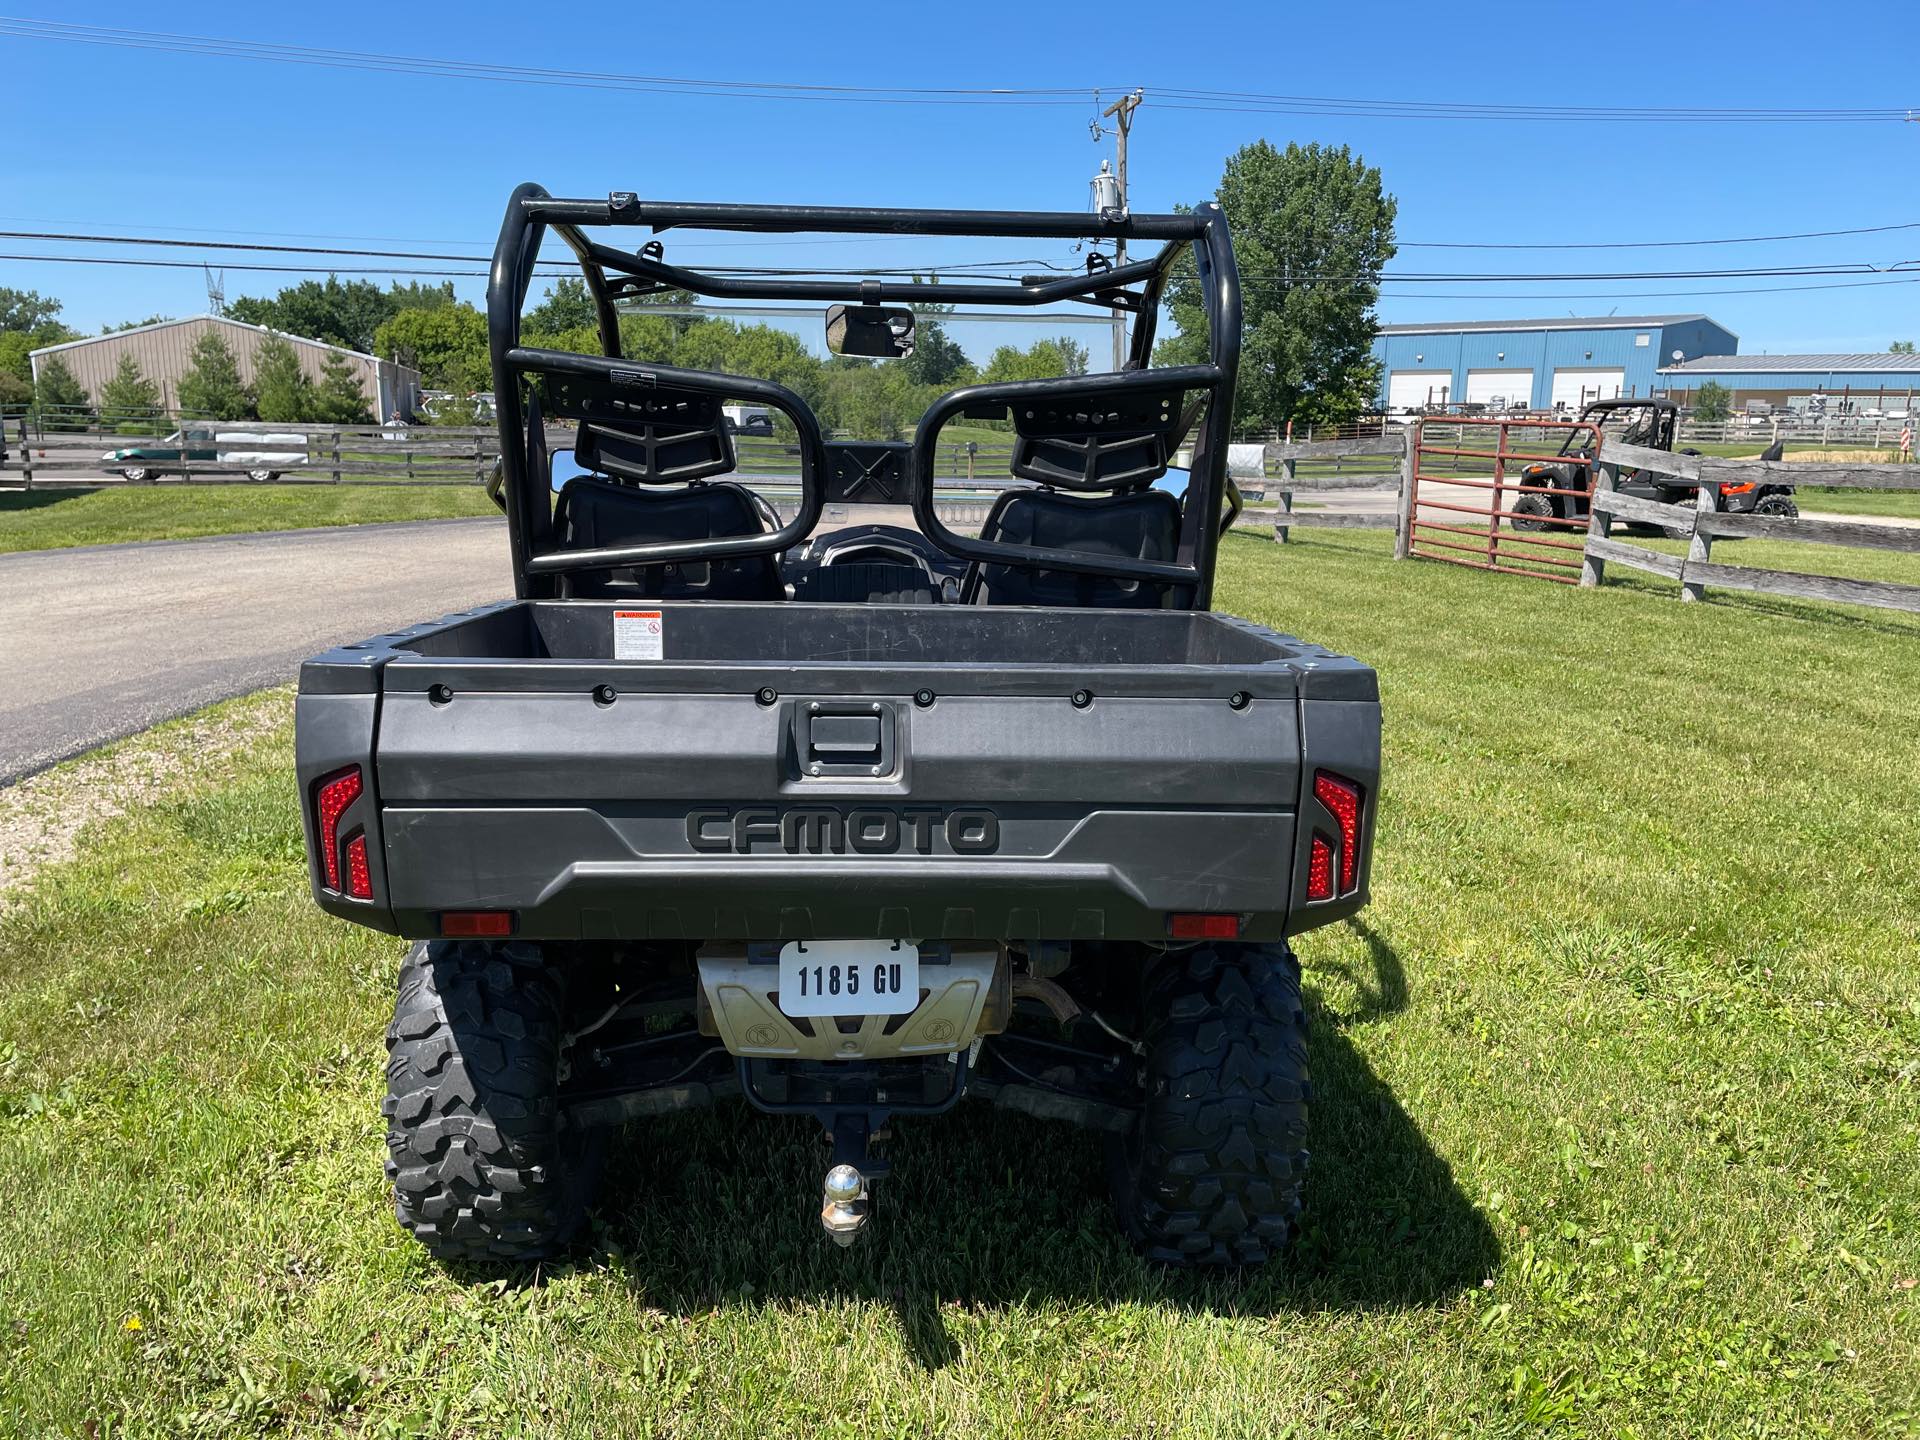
[[1411, 389], [1502, 388], [1574, 388]]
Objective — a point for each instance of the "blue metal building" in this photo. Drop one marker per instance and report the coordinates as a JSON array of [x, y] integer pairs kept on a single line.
[[1539, 364]]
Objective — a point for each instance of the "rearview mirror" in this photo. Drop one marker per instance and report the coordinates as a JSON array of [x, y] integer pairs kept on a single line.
[[565, 468], [878, 332]]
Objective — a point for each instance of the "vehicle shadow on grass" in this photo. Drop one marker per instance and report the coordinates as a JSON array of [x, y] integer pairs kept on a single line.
[[986, 1209]]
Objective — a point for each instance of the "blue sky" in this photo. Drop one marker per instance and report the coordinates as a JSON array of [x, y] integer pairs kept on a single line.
[[149, 142]]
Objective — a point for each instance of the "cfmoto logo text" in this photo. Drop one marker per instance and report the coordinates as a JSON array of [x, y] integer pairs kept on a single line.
[[820, 830]]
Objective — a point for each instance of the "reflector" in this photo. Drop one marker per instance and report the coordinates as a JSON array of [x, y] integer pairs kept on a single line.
[[1187, 926], [336, 792], [469, 923]]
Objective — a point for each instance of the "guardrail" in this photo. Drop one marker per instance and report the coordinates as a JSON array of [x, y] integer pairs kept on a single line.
[[1701, 523]]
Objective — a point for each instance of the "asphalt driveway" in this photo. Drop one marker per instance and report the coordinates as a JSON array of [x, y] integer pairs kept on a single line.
[[100, 642]]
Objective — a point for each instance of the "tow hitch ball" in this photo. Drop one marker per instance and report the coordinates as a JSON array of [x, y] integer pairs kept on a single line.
[[844, 1205]]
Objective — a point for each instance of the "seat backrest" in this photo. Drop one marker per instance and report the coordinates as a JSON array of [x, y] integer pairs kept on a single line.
[[1144, 525], [592, 513]]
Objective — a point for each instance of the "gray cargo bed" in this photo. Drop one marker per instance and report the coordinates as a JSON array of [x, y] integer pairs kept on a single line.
[[789, 770]]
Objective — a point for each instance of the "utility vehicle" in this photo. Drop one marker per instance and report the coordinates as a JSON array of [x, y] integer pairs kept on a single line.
[[846, 825], [1649, 423]]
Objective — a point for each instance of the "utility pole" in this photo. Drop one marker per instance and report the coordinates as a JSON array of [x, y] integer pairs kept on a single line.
[[1121, 113]]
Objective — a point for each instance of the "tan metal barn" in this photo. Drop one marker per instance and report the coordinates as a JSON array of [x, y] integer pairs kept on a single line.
[[164, 350]]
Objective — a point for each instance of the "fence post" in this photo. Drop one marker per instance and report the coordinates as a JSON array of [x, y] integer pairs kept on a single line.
[[1699, 543], [336, 454], [479, 460], [1606, 478], [26, 457], [1403, 512], [1280, 525]]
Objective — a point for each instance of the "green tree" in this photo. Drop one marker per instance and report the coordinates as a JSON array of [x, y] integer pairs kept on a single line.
[[129, 400], [1312, 228], [16, 347], [340, 399], [568, 306], [63, 401], [1900, 347], [937, 358], [282, 391], [211, 387], [134, 324], [340, 312], [15, 393], [420, 295], [1042, 360], [26, 310], [1712, 401], [447, 345]]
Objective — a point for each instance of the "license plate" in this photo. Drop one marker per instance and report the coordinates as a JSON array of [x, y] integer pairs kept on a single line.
[[849, 977]]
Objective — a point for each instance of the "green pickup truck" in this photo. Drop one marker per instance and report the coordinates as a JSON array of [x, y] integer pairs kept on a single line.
[[261, 456]]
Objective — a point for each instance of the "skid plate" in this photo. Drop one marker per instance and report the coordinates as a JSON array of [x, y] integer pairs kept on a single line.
[[964, 989]]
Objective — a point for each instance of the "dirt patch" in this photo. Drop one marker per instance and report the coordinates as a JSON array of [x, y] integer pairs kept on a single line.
[[42, 817]]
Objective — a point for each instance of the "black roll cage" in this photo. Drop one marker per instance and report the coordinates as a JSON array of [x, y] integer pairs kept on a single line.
[[613, 275]]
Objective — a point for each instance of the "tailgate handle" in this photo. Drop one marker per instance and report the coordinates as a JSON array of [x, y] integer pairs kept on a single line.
[[844, 737], [848, 736]]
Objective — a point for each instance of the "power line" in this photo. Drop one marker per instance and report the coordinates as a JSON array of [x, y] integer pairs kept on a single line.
[[1647, 244], [975, 268]]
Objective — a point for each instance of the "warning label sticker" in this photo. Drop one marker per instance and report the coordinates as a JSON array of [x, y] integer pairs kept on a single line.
[[638, 635]]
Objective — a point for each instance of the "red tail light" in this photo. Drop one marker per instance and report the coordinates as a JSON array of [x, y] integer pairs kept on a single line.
[[336, 792], [466, 923], [1320, 871], [359, 882], [1342, 799], [1185, 926]]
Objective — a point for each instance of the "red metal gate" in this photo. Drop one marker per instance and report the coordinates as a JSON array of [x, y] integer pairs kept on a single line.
[[1473, 503]]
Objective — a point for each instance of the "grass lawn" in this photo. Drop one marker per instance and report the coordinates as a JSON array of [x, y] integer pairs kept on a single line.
[[1617, 1125], [54, 519]]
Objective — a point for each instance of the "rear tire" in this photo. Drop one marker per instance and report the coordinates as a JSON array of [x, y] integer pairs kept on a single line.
[[138, 474], [1212, 1172], [1538, 506], [483, 1164], [263, 477], [1779, 506]]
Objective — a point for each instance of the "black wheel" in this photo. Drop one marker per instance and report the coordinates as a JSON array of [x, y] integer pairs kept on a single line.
[[1539, 509], [262, 477], [1782, 506], [139, 474], [483, 1165], [1212, 1171]]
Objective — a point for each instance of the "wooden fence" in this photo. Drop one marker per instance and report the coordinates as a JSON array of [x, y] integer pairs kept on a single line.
[[1701, 523], [1283, 461], [377, 454]]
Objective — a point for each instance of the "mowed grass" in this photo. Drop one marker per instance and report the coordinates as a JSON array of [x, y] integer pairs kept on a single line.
[[1616, 1128], [55, 519]]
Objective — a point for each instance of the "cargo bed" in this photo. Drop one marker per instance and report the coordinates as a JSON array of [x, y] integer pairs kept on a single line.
[[798, 771]]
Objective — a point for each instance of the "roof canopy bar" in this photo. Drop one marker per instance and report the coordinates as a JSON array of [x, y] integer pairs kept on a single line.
[[1107, 284], [626, 208]]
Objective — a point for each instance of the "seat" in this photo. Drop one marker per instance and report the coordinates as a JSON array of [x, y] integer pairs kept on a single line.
[[866, 582], [592, 513], [1140, 525]]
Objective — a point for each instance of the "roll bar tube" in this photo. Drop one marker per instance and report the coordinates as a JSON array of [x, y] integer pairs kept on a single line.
[[645, 377], [1020, 392]]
